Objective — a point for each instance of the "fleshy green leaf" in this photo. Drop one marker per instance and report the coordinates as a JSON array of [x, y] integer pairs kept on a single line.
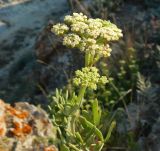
[[96, 112], [79, 137], [112, 126], [88, 124], [64, 148]]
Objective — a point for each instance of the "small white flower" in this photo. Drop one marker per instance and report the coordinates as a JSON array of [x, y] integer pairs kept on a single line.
[[60, 29], [71, 40], [75, 18], [79, 27]]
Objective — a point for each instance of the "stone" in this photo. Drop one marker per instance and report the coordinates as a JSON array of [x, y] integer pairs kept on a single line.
[[25, 127]]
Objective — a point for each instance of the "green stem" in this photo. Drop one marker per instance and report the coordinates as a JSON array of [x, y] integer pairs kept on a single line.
[[87, 58], [91, 60], [95, 59]]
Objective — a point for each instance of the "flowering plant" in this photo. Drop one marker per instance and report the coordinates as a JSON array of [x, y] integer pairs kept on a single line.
[[91, 36], [78, 127]]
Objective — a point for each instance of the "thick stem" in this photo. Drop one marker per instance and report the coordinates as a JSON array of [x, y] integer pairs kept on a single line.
[[92, 57], [97, 57], [89, 59], [87, 56]]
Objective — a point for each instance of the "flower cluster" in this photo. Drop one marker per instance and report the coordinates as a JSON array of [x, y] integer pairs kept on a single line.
[[91, 35], [89, 77], [71, 40], [60, 29], [75, 18]]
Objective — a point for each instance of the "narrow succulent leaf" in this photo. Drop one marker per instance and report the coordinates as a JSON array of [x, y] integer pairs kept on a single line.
[[79, 137], [85, 122], [96, 112], [73, 147], [64, 148], [112, 126], [87, 115]]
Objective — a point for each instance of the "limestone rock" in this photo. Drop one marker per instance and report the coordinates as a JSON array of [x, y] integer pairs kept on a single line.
[[25, 127]]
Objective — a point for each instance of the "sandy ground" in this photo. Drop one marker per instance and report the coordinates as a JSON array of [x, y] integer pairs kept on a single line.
[[20, 23]]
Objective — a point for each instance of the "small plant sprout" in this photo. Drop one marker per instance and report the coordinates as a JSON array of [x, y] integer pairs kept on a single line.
[[79, 128]]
